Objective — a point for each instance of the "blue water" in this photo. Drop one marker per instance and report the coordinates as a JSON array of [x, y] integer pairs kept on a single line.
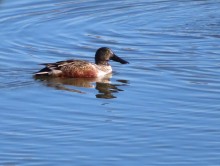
[[161, 109]]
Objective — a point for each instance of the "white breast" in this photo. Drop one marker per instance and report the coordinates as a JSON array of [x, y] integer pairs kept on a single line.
[[103, 70]]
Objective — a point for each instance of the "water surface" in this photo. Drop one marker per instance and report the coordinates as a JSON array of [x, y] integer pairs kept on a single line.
[[161, 109]]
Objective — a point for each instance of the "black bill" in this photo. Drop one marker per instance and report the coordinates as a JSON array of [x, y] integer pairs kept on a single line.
[[118, 59]]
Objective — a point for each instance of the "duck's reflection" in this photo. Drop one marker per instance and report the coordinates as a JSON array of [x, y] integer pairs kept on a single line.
[[105, 88]]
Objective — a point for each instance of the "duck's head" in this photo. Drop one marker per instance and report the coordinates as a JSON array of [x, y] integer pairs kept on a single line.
[[104, 54]]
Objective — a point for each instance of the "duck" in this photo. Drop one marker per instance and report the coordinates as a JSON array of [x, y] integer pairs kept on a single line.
[[82, 68]]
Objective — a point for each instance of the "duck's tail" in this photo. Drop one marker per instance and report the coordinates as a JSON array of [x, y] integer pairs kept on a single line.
[[44, 72], [47, 71]]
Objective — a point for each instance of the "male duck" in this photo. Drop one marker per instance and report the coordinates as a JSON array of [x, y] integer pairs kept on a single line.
[[81, 68]]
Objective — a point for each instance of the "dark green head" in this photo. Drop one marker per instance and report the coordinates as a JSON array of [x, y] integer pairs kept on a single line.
[[104, 54]]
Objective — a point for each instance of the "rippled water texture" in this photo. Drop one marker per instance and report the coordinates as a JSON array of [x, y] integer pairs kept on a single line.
[[161, 109]]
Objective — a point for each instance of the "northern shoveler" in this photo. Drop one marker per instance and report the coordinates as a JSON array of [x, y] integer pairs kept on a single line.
[[81, 68]]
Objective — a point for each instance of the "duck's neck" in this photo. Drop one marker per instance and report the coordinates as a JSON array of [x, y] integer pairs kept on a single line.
[[102, 63]]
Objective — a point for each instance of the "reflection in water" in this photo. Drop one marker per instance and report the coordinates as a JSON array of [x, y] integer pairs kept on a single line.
[[106, 90], [103, 85]]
